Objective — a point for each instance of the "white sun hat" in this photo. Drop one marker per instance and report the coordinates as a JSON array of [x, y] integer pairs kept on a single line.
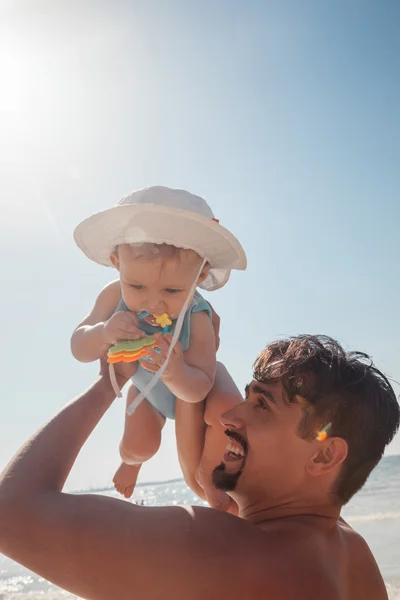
[[162, 215]]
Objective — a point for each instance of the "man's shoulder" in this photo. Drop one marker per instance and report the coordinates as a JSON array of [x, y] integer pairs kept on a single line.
[[337, 562], [362, 564], [296, 560], [272, 558]]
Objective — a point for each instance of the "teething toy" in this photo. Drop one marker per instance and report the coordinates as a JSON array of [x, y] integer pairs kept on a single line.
[[163, 321], [131, 350]]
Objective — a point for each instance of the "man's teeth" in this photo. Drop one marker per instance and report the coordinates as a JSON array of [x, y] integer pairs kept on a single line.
[[234, 449]]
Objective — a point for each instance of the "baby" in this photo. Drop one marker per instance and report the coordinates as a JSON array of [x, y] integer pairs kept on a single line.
[[165, 243]]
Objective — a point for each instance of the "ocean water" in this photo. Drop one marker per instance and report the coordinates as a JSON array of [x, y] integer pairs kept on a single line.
[[374, 512]]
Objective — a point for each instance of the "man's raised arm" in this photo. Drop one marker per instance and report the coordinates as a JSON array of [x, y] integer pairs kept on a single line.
[[98, 547]]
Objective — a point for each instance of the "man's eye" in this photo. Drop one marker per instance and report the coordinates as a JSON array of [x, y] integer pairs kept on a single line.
[[136, 287], [172, 291], [261, 403]]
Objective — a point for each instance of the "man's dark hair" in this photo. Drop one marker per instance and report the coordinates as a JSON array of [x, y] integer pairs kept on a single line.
[[341, 388]]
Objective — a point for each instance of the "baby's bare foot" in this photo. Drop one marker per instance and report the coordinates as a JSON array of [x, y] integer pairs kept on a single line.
[[125, 479]]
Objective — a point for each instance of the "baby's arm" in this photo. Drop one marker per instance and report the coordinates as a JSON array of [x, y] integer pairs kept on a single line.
[[104, 327], [87, 341], [194, 375]]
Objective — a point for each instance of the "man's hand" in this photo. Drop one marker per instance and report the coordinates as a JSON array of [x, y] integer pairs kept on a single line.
[[122, 325], [123, 371], [175, 363]]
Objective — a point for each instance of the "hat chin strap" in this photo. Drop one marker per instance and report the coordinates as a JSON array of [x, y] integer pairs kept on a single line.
[[157, 376]]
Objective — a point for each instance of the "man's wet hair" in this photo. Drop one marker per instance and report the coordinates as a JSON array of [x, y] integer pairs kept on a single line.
[[342, 388]]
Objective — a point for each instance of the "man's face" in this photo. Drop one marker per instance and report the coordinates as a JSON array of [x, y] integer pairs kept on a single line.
[[264, 452]]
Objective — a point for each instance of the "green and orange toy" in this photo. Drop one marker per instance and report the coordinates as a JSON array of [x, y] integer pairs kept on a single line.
[[132, 350]]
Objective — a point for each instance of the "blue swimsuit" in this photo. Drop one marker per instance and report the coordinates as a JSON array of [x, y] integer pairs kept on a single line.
[[160, 396]]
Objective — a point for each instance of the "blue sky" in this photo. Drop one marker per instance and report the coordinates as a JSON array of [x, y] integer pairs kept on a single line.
[[284, 115]]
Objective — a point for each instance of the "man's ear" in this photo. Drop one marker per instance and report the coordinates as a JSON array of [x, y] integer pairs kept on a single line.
[[329, 454], [203, 274], [114, 259]]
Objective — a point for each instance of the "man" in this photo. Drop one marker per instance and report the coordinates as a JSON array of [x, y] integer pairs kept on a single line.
[[314, 424]]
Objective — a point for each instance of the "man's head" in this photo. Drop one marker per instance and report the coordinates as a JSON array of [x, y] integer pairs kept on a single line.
[[157, 278], [300, 386]]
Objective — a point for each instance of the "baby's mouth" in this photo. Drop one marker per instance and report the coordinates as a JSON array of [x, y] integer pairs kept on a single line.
[[150, 320]]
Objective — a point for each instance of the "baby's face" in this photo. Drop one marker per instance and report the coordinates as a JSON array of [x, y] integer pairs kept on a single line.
[[155, 284]]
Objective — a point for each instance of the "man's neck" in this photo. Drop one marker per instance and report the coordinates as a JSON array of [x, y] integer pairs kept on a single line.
[[324, 516]]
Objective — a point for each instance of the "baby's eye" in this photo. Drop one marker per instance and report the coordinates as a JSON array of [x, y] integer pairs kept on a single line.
[[172, 291], [136, 286]]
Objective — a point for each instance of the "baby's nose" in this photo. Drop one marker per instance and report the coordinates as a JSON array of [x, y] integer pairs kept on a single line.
[[156, 305]]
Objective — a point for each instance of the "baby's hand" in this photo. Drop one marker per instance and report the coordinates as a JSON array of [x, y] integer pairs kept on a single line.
[[122, 325], [176, 360]]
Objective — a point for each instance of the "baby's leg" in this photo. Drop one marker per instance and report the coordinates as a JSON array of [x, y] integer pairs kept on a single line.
[[140, 441], [223, 396]]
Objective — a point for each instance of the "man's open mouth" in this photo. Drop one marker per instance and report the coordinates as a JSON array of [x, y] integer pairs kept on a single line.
[[234, 451], [226, 475]]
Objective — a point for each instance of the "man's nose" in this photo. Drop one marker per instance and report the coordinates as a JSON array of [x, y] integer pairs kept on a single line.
[[233, 418]]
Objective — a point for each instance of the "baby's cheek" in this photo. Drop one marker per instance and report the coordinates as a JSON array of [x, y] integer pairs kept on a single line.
[[130, 300], [182, 299], [174, 308]]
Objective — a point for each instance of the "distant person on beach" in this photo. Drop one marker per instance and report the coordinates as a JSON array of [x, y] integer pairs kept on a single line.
[[315, 422], [165, 243]]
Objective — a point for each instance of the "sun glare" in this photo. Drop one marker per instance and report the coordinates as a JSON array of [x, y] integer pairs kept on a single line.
[[12, 82]]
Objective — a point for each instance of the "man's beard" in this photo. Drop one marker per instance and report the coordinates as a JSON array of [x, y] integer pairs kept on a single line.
[[224, 481]]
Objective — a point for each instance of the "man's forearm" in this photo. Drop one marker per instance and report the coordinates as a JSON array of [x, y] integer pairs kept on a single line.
[[87, 342], [191, 385], [44, 462]]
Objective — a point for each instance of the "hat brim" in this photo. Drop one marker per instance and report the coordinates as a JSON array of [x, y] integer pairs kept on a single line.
[[100, 234]]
